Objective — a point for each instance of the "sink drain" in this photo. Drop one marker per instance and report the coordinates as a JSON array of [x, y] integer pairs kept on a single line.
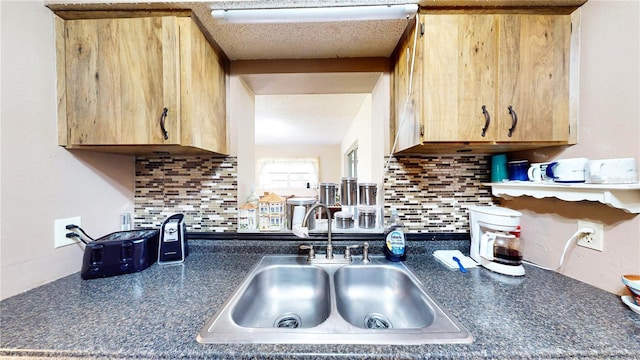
[[288, 320], [376, 321]]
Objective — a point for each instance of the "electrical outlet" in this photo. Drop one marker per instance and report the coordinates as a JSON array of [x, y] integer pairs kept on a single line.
[[60, 231], [593, 241]]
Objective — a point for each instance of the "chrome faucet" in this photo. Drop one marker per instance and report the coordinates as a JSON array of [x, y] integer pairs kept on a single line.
[[329, 259], [306, 218]]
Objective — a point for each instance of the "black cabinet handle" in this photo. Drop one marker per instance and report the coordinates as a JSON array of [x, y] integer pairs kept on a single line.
[[487, 120], [162, 117], [514, 120]]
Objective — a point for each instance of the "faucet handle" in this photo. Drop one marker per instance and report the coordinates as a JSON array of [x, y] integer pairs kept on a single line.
[[312, 252], [365, 252], [347, 251]]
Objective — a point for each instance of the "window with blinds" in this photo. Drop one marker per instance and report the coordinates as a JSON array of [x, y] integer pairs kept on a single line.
[[292, 173]]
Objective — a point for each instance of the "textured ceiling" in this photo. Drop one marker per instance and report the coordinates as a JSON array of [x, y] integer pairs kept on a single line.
[[270, 41], [309, 41], [306, 41]]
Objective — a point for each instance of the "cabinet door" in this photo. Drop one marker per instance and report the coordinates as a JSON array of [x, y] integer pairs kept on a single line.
[[534, 77], [120, 75], [407, 91], [459, 77], [203, 91]]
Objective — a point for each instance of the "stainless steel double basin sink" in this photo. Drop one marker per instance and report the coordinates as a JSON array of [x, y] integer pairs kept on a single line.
[[287, 300]]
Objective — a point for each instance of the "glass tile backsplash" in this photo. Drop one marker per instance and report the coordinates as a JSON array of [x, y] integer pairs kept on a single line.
[[430, 192], [203, 188]]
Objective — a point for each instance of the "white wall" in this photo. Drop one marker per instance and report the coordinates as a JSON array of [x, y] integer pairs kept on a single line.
[[370, 129], [40, 181], [380, 129], [359, 133], [241, 119], [609, 128]]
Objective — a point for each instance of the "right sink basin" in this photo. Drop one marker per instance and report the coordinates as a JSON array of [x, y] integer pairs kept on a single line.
[[381, 297], [284, 299]]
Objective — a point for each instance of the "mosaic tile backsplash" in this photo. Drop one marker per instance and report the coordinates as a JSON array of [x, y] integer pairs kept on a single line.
[[203, 188], [430, 192]]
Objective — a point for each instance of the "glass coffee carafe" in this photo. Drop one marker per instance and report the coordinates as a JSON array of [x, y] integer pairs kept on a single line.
[[507, 249]]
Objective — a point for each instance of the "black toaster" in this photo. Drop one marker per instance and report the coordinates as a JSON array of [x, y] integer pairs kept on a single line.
[[119, 253]]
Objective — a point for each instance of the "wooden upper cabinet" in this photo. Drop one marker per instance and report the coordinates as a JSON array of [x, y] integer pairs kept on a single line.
[[140, 85], [491, 82], [534, 53]]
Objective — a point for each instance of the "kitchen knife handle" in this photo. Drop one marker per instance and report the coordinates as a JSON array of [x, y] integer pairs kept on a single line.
[[162, 118], [514, 120], [487, 120]]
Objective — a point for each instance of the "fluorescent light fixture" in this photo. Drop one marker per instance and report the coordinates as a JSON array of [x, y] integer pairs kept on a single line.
[[317, 14]]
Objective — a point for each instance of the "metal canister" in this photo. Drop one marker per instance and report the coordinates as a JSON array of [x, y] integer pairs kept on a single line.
[[344, 220], [327, 193], [307, 202], [367, 193], [367, 217], [349, 191]]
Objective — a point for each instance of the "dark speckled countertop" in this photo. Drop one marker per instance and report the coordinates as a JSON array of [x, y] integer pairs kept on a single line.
[[157, 313]]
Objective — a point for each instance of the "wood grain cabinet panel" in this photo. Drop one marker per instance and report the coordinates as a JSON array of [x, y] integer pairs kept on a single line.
[[479, 75], [121, 74], [534, 77]]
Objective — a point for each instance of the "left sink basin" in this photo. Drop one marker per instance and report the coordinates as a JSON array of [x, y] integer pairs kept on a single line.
[[284, 296], [282, 300]]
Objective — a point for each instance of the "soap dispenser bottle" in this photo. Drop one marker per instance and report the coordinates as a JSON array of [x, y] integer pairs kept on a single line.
[[395, 247]]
